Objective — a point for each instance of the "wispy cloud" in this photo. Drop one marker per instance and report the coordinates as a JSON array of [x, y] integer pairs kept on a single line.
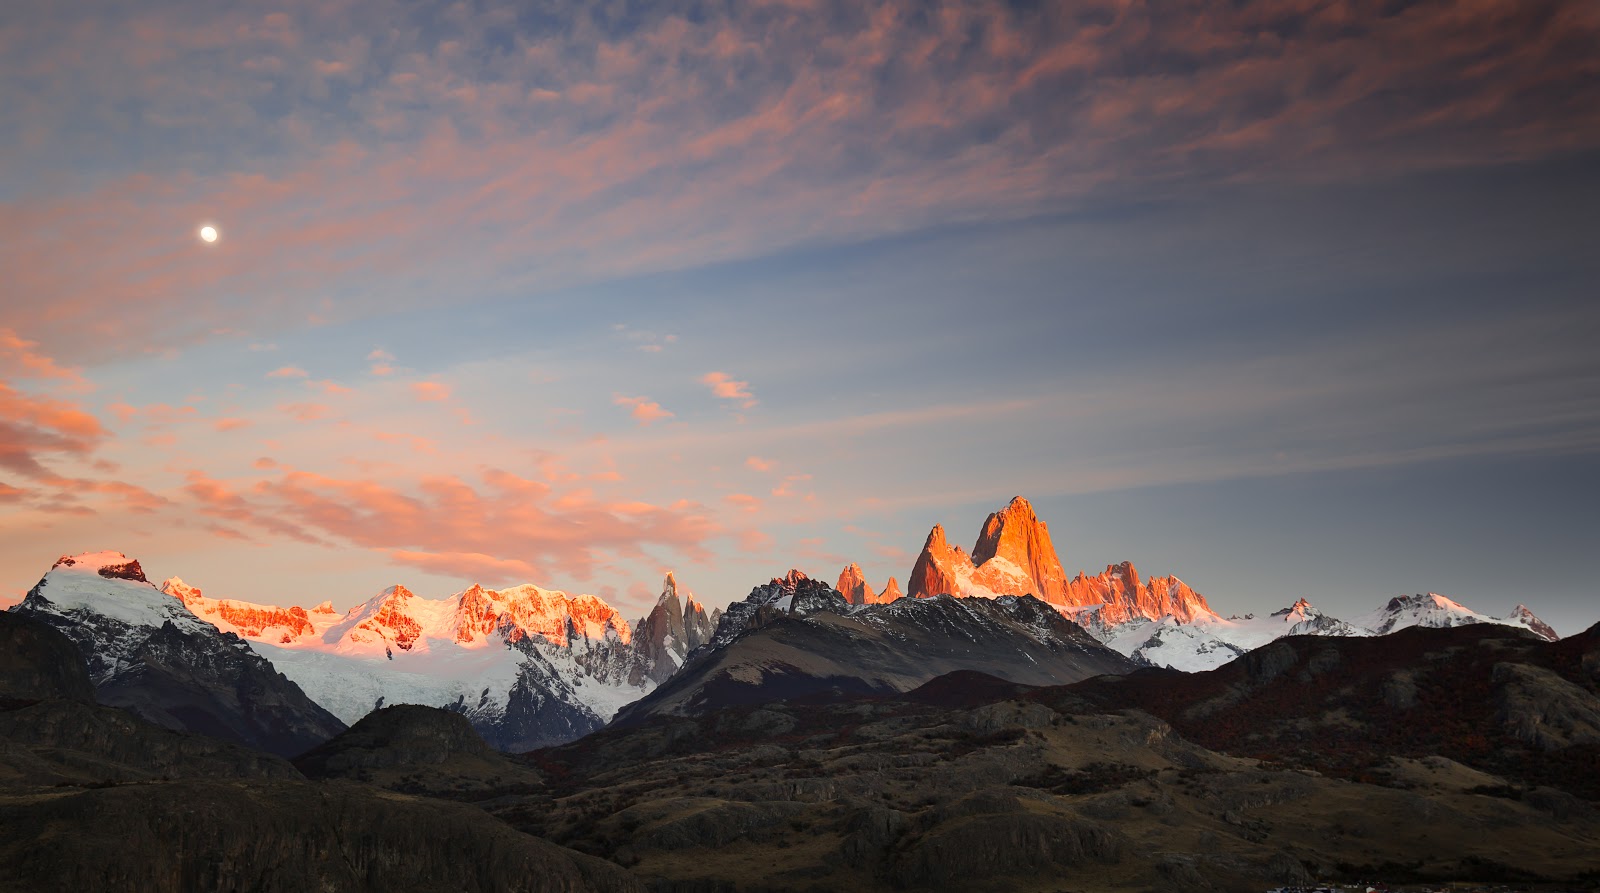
[[724, 387], [643, 409], [594, 150], [430, 391]]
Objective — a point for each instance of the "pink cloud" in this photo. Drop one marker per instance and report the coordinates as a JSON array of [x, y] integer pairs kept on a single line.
[[288, 372], [752, 540], [474, 566], [787, 487], [642, 408], [382, 362], [430, 391], [328, 387], [519, 523], [18, 358], [216, 499], [231, 424], [305, 412], [756, 463], [33, 427], [743, 501], [724, 387]]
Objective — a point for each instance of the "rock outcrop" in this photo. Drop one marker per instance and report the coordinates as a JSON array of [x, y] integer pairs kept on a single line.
[[854, 587], [674, 627], [856, 590], [1014, 556], [1126, 597]]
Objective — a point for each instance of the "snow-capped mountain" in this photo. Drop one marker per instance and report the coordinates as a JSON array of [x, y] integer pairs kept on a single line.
[[527, 666], [1438, 611], [1157, 620], [149, 653]]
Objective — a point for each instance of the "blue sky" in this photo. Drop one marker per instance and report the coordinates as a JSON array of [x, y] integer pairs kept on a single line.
[[1249, 298]]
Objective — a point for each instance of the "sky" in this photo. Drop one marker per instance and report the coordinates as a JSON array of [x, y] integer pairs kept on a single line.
[[1290, 298]]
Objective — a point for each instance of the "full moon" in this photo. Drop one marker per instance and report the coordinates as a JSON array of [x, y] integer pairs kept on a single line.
[[208, 233]]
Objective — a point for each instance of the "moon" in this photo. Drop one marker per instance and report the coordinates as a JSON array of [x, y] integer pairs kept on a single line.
[[208, 233]]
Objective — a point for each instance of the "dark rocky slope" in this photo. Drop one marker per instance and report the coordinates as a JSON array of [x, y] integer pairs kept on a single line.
[[798, 638], [1497, 698], [908, 793], [418, 749]]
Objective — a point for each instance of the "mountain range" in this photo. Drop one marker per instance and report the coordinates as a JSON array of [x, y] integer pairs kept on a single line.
[[1156, 621], [529, 667]]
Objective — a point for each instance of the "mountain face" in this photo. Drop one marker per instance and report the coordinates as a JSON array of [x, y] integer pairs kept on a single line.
[[527, 666], [673, 629], [797, 637], [1123, 596], [148, 653], [856, 590], [1014, 556]]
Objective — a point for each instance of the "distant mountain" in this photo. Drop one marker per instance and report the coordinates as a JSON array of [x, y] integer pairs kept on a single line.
[[1439, 612], [148, 653], [1014, 556], [527, 666], [796, 637], [1156, 621], [672, 630]]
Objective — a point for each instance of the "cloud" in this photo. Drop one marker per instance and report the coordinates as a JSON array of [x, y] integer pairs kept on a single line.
[[744, 502], [644, 341], [305, 412], [642, 408], [327, 386], [430, 391], [36, 427], [474, 566], [787, 488], [382, 362], [724, 387], [754, 541], [19, 359], [756, 463], [231, 424], [684, 136], [504, 527], [288, 372]]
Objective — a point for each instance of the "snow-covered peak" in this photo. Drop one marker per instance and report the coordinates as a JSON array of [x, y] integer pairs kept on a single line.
[[112, 565], [111, 585], [1427, 609], [1522, 616]]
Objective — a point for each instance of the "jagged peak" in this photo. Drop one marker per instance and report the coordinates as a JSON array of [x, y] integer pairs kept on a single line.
[[1300, 606], [936, 539], [324, 608], [792, 579]]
